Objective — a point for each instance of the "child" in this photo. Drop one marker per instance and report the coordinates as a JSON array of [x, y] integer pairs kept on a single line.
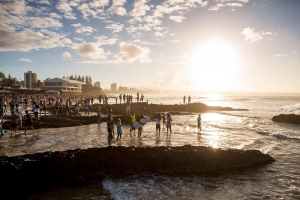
[[119, 129]]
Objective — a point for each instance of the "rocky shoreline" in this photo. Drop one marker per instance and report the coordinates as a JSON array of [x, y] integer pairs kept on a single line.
[[119, 111], [287, 118], [26, 175]]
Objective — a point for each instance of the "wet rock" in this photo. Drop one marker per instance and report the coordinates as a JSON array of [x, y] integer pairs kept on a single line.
[[287, 118], [29, 174]]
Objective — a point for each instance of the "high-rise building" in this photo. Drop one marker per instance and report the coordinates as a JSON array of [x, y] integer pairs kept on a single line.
[[97, 84], [113, 87], [29, 79]]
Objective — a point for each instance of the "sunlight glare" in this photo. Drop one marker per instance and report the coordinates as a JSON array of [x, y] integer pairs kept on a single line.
[[214, 64]]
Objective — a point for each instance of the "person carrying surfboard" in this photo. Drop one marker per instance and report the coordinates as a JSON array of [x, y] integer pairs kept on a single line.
[[140, 129], [132, 121]]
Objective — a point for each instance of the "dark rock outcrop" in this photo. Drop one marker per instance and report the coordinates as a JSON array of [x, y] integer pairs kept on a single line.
[[28, 174], [287, 118]]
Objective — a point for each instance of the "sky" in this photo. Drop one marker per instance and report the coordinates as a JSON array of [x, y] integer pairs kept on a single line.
[[186, 45]]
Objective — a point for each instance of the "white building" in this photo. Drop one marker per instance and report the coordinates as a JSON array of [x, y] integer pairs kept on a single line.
[[29, 79], [97, 84], [63, 85], [113, 87]]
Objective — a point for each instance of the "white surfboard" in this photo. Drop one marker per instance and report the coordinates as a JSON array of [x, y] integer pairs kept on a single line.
[[141, 122]]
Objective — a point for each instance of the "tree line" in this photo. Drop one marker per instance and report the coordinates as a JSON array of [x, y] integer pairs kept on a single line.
[[84, 79]]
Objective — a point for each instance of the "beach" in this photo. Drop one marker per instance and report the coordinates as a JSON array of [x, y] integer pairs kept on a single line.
[[242, 130]]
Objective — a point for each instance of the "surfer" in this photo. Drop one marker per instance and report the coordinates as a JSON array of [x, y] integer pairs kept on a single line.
[[140, 129], [132, 121]]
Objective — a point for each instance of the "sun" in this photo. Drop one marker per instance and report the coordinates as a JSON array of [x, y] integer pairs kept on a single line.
[[213, 65]]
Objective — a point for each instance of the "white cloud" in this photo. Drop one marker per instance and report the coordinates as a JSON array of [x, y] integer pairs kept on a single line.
[[117, 7], [159, 34], [140, 9], [27, 39], [103, 40], [280, 55], [25, 60], [116, 27], [131, 52], [66, 55], [55, 15], [65, 8], [216, 7], [177, 19], [174, 41], [295, 51], [43, 2], [90, 50], [251, 35], [83, 29], [79, 39]]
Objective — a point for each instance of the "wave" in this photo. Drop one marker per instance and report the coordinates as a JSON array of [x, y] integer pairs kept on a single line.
[[291, 108]]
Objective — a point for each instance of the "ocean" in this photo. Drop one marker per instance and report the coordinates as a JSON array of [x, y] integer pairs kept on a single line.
[[246, 130]]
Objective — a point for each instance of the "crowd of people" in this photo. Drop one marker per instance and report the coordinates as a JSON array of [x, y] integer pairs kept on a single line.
[[20, 105]]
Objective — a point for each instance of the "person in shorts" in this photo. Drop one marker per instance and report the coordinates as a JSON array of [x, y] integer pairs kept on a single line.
[[28, 122], [13, 122]]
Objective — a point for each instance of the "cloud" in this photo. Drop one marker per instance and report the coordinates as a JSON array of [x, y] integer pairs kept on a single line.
[[83, 29], [174, 41], [66, 55], [295, 51], [280, 55], [65, 8], [43, 2], [117, 7], [25, 60], [104, 40], [253, 36], [27, 39], [139, 9], [177, 19], [90, 50], [131, 52], [116, 27]]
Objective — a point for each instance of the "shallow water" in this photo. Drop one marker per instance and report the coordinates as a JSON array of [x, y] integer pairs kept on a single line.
[[253, 129]]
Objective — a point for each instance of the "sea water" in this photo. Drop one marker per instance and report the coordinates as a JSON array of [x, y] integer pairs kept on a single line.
[[251, 129]]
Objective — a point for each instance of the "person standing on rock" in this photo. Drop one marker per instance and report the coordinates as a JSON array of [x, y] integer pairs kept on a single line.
[[132, 121], [158, 120], [183, 99], [28, 122], [199, 122], [119, 129], [127, 109], [99, 115], [189, 99], [13, 122], [169, 123], [109, 129]]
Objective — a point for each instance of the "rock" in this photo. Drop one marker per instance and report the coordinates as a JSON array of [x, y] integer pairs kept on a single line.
[[287, 118], [28, 174]]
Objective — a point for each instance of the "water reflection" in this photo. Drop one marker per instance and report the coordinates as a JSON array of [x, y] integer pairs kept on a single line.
[[215, 133]]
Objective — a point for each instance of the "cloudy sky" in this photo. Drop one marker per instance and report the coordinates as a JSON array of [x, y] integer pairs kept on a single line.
[[213, 45]]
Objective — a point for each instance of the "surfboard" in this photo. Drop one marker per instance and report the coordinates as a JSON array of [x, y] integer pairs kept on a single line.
[[141, 122]]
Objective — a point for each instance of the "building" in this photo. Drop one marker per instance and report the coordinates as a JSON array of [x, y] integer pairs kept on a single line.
[[113, 87], [29, 79], [97, 84], [63, 85]]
